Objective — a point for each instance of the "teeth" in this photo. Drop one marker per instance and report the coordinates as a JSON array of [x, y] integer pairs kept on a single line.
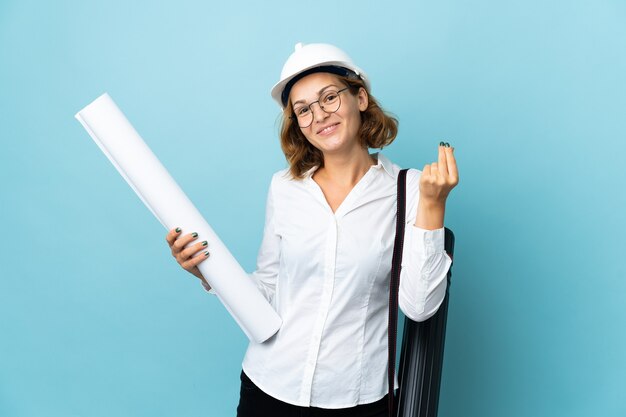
[[326, 129]]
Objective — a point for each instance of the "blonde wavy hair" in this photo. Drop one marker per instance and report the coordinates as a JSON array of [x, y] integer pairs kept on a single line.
[[378, 129]]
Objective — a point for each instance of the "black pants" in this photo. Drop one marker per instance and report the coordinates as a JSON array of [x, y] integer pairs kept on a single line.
[[255, 403]]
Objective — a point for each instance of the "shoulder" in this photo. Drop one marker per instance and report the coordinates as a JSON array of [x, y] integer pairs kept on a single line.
[[412, 176], [282, 178], [412, 184], [282, 175], [283, 181]]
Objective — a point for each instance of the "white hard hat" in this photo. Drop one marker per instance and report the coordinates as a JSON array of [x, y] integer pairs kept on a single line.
[[313, 57]]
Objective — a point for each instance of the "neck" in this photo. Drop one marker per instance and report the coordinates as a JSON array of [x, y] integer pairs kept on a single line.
[[345, 169]]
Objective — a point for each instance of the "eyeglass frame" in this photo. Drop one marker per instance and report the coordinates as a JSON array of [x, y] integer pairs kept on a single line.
[[295, 117]]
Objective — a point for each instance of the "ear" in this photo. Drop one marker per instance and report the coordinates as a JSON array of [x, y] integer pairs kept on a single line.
[[363, 99]]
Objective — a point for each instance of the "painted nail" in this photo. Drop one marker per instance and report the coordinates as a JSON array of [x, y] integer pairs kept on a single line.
[[441, 143], [194, 234], [447, 145], [178, 230], [206, 253], [205, 243]]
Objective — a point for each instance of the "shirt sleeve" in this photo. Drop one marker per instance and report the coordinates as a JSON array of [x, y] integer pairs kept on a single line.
[[207, 287], [268, 258], [425, 263]]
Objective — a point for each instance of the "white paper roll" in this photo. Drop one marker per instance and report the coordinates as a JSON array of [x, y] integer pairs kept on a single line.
[[141, 169]]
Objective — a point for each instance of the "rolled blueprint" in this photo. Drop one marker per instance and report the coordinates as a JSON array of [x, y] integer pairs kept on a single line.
[[142, 170]]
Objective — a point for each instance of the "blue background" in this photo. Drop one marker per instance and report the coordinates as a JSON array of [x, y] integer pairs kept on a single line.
[[96, 318]]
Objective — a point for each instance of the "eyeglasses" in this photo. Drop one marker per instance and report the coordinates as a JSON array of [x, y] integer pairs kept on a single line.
[[329, 102]]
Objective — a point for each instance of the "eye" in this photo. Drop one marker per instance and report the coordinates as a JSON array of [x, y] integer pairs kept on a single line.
[[330, 97], [301, 111]]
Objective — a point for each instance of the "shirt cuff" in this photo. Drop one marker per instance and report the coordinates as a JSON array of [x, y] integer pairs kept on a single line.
[[207, 287], [425, 241]]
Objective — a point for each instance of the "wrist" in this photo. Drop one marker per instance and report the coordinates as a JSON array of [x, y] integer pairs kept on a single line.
[[432, 204], [430, 214]]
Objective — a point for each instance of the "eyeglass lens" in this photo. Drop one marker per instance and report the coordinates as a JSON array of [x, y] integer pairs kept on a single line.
[[329, 102]]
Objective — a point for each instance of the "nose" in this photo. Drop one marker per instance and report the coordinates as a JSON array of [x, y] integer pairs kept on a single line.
[[318, 113]]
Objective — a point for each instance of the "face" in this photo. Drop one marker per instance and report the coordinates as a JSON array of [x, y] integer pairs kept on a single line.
[[332, 133]]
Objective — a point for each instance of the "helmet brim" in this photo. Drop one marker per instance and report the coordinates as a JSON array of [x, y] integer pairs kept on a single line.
[[277, 90]]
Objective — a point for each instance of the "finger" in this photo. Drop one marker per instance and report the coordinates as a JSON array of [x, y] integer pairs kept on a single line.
[[434, 168], [442, 164], [452, 168], [191, 250], [426, 170], [182, 241], [196, 260], [172, 235]]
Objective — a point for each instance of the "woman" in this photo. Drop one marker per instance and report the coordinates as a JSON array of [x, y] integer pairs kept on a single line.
[[325, 259]]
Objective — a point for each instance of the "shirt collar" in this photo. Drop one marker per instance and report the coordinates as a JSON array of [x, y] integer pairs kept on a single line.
[[308, 174], [383, 163]]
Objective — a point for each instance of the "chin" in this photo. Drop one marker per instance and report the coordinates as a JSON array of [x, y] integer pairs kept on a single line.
[[331, 144]]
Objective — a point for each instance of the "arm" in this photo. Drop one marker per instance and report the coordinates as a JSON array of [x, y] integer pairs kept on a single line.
[[267, 262], [423, 276], [268, 259], [188, 255], [425, 263], [435, 183]]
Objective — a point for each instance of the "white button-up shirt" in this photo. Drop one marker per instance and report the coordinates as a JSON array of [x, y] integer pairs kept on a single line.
[[327, 275]]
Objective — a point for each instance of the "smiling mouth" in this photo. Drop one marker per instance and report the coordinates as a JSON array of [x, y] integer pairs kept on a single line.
[[327, 129]]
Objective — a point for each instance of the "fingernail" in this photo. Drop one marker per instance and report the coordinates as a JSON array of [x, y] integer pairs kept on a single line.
[[205, 243], [447, 145], [442, 144], [194, 234], [178, 230], [206, 253]]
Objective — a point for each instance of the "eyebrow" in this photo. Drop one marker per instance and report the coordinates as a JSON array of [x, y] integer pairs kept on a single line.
[[318, 93]]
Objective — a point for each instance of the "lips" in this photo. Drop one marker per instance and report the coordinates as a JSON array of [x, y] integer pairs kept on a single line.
[[328, 129]]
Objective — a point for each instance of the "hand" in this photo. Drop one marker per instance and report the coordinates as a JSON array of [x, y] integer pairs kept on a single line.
[[439, 178], [436, 182], [189, 257]]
